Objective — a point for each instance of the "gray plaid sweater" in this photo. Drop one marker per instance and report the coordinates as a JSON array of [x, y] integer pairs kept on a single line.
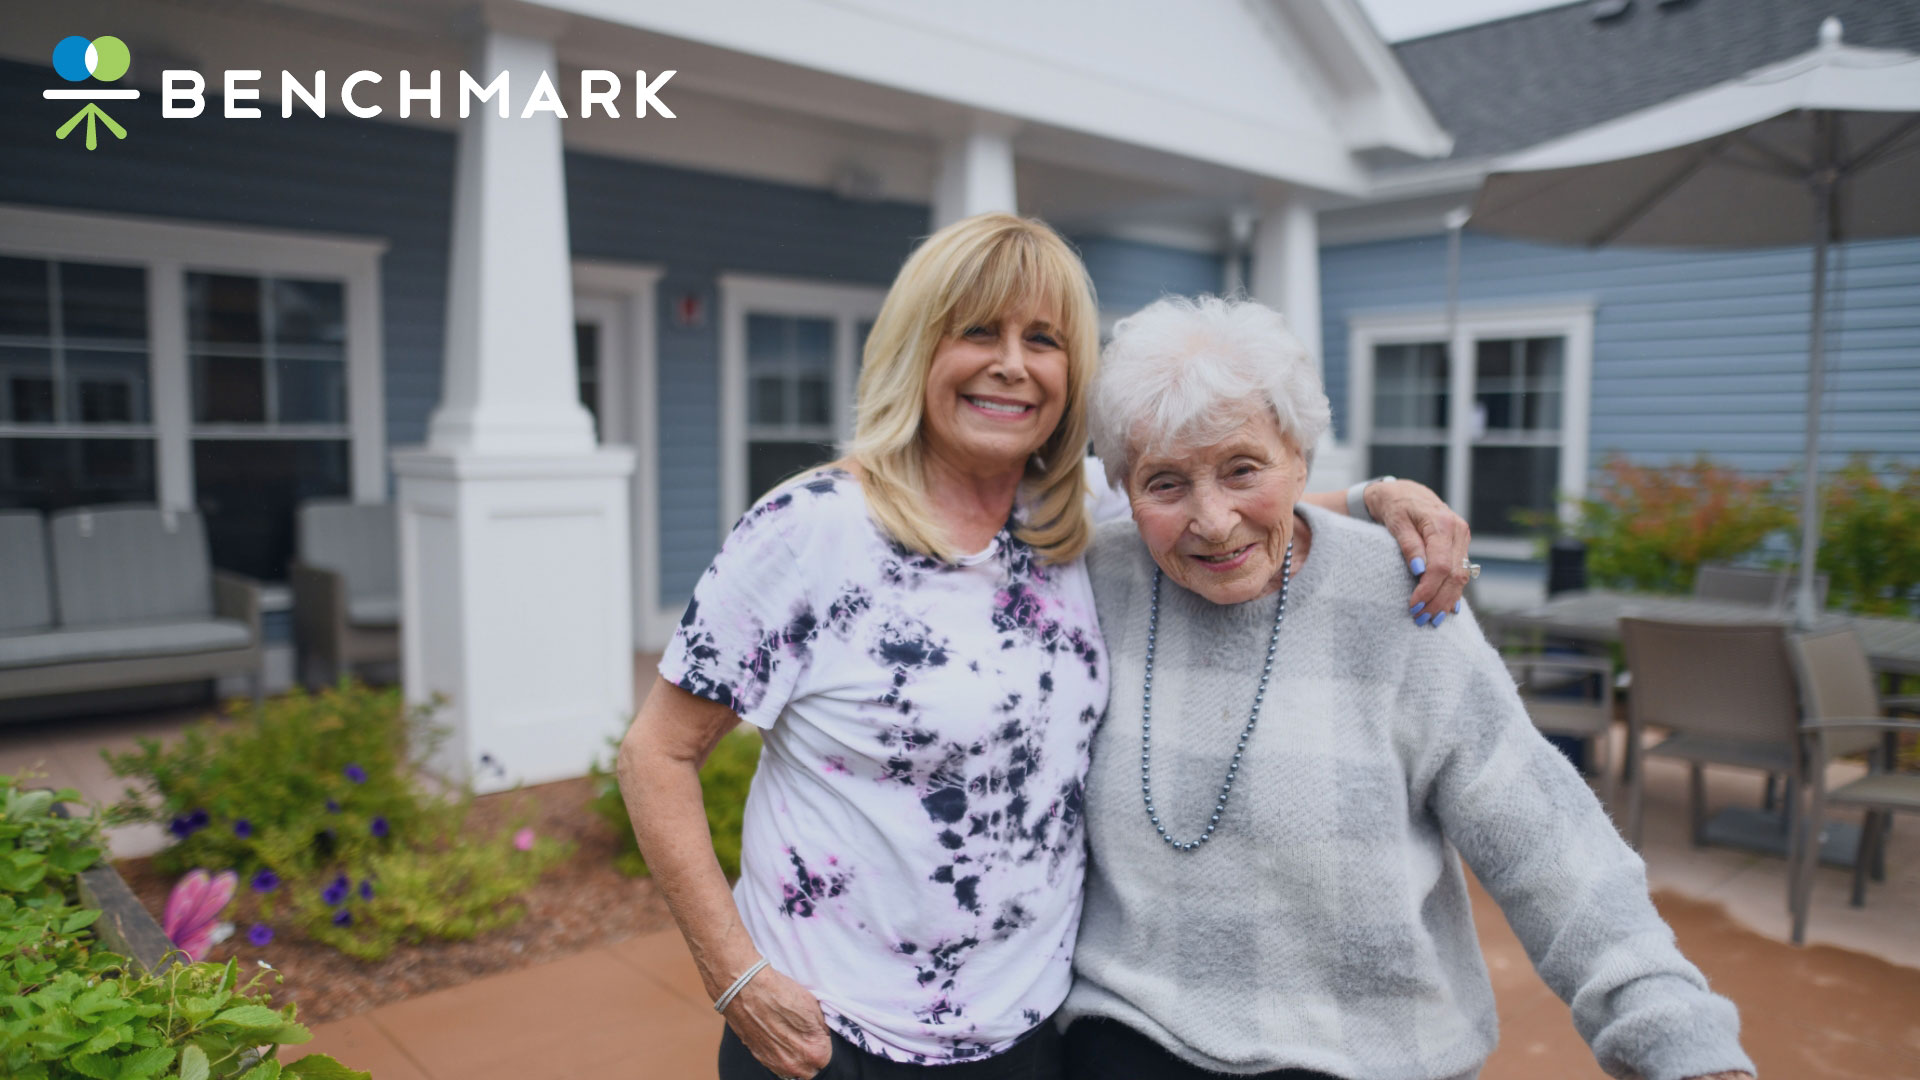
[[1326, 925]]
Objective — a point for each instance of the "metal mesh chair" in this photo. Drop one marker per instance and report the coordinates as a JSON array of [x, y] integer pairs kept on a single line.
[[1844, 717], [1726, 695], [1571, 695]]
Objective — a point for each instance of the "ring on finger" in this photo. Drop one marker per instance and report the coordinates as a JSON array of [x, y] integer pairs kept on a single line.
[[1472, 569]]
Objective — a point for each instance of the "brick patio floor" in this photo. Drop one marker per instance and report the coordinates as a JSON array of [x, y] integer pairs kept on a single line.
[[1845, 1008]]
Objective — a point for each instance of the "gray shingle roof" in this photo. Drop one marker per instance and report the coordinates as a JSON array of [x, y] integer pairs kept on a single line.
[[1515, 82]]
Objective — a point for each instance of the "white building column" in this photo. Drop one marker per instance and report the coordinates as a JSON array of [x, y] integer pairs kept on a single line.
[[976, 172], [514, 534], [1286, 277]]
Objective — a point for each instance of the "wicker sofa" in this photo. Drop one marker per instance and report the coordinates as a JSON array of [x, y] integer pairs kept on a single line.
[[97, 598]]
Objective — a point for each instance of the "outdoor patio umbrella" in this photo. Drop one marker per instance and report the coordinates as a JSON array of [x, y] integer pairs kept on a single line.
[[1819, 148]]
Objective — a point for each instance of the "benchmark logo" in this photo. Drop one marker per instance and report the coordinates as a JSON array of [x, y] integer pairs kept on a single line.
[[183, 92], [77, 60]]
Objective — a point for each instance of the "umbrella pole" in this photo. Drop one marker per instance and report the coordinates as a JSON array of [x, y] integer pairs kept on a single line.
[[1807, 612]]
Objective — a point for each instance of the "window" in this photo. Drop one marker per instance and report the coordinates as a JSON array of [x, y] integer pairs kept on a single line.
[[236, 371], [789, 398], [75, 420], [1502, 436], [789, 354]]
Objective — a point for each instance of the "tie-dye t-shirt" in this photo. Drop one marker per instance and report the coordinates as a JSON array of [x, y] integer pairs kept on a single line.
[[912, 851]]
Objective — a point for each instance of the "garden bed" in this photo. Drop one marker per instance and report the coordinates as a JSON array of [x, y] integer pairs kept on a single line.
[[581, 903]]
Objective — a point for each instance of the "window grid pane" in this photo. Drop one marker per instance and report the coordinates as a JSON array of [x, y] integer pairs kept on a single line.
[[268, 351], [1410, 387]]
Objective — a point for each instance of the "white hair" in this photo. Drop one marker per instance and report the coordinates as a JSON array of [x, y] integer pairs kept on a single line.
[[1183, 371]]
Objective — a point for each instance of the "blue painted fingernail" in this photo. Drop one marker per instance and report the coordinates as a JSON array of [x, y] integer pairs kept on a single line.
[[1456, 607], [1438, 618], [1418, 566], [1415, 609], [1421, 620]]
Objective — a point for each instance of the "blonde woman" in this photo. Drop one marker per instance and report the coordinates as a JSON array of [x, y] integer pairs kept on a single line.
[[913, 630]]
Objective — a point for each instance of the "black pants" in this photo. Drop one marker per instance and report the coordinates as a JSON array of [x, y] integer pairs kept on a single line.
[[1036, 1057], [1102, 1049]]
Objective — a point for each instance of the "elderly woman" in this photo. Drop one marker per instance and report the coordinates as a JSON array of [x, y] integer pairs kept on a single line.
[[914, 632], [1272, 890]]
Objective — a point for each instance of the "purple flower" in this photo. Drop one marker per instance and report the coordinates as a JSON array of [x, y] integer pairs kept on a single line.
[[198, 820], [332, 807], [355, 773], [378, 828], [242, 828], [366, 890], [265, 881], [343, 917], [259, 934], [335, 893], [180, 827]]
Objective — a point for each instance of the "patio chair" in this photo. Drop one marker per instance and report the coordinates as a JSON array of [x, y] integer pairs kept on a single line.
[[346, 587], [1725, 694], [1843, 717], [1571, 695], [1761, 588]]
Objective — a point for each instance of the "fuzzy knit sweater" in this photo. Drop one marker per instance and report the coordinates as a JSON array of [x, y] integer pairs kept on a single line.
[[1326, 925]]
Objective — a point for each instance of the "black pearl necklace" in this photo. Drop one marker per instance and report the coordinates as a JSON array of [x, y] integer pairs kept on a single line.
[[1146, 713]]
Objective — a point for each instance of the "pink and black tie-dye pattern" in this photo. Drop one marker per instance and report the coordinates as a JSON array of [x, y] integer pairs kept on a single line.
[[913, 850]]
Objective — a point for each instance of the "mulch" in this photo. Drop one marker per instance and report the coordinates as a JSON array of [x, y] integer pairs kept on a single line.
[[578, 904]]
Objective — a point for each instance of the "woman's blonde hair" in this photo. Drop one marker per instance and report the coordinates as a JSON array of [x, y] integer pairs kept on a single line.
[[975, 271]]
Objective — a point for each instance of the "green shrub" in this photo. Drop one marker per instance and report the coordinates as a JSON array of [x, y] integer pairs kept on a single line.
[[724, 780], [71, 1010], [1650, 528], [1870, 537], [316, 803]]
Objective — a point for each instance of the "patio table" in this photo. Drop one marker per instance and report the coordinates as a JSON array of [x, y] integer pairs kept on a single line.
[[1892, 647]]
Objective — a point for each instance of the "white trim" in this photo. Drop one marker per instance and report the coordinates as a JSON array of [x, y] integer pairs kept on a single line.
[[1571, 319], [630, 414], [846, 305], [168, 250]]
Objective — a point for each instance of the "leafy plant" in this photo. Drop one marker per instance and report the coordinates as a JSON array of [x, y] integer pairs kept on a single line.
[[1870, 537], [1650, 528], [316, 804], [71, 1010], [724, 780]]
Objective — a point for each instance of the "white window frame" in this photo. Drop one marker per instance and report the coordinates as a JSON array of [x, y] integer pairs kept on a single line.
[[624, 299], [741, 294], [170, 249], [1571, 320]]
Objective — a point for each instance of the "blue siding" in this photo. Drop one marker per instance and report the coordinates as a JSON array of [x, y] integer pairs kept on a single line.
[[336, 176], [699, 225], [1129, 274], [1694, 352]]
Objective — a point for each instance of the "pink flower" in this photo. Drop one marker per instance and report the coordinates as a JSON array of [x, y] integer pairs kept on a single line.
[[523, 840], [194, 907]]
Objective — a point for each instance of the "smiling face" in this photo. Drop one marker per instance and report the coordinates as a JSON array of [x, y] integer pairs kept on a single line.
[[1217, 518], [995, 391]]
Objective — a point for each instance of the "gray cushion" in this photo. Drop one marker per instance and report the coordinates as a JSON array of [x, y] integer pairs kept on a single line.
[[360, 540], [122, 642], [373, 611], [26, 598], [118, 564]]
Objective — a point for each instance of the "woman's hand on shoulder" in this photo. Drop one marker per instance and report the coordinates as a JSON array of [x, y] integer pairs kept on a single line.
[[781, 1023], [1433, 540]]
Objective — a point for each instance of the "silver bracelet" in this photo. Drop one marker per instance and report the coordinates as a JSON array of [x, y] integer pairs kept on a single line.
[[1357, 498], [739, 984]]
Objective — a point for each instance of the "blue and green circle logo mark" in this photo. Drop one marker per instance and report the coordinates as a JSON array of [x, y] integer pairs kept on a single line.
[[104, 58]]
